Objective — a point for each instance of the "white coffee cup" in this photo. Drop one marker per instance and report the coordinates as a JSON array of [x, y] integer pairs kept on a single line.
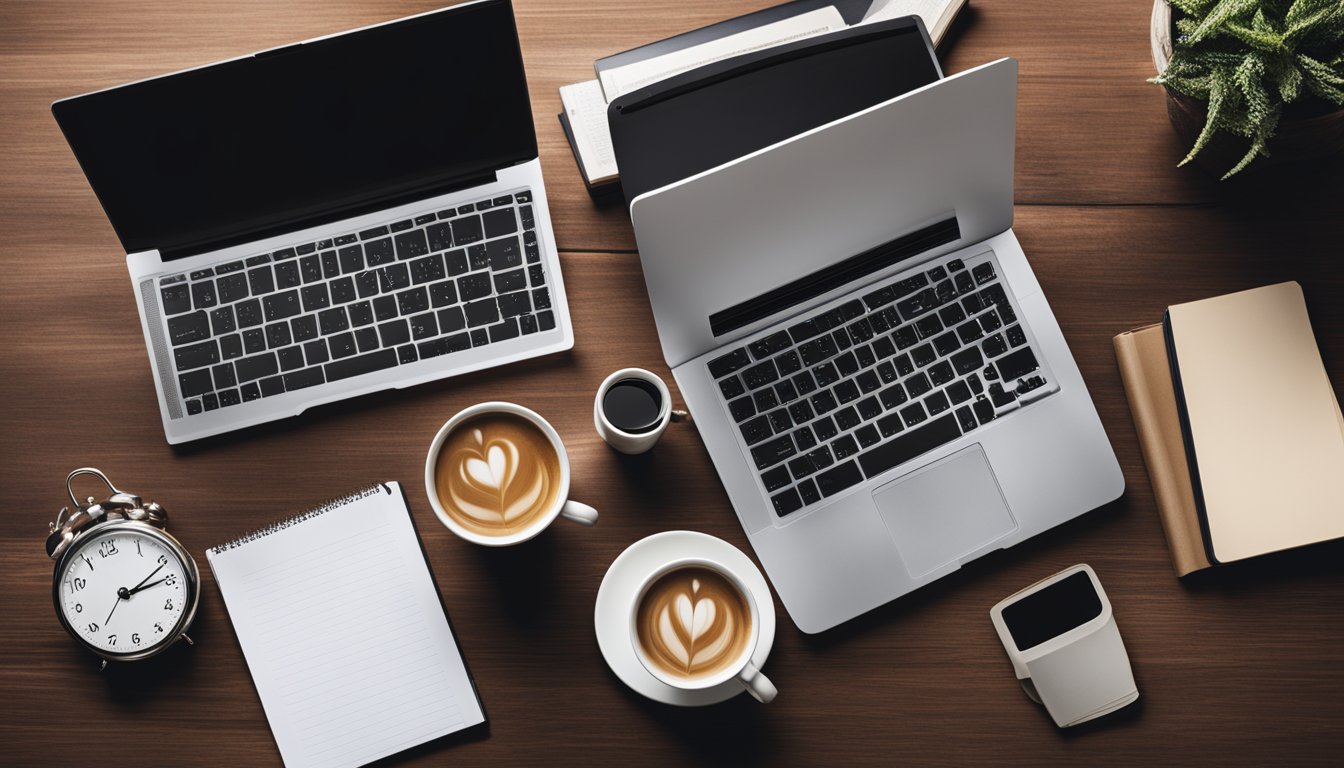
[[563, 506], [741, 669], [634, 442]]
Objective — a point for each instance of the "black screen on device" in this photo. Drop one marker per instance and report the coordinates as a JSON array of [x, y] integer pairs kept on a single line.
[[1067, 604], [306, 131], [666, 133]]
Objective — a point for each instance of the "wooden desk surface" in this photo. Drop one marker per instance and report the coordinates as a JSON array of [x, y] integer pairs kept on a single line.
[[1240, 667]]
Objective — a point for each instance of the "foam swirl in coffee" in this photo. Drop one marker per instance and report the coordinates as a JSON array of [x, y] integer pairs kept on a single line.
[[496, 474], [692, 623]]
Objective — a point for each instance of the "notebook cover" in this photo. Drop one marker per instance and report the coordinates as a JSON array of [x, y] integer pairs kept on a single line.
[[1142, 356], [604, 191], [1260, 423]]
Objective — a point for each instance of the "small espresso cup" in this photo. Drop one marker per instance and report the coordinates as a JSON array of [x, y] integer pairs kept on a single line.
[[694, 622], [495, 461], [645, 410]]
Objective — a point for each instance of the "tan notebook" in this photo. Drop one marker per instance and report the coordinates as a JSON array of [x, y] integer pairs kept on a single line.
[[1266, 433], [1142, 354]]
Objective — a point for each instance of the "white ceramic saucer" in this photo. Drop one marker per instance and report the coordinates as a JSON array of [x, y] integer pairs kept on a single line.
[[611, 617]]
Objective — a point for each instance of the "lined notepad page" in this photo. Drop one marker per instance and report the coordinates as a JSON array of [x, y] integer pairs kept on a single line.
[[344, 634]]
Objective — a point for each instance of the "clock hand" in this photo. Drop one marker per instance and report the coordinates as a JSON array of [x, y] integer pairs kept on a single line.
[[144, 586], [121, 595], [147, 578]]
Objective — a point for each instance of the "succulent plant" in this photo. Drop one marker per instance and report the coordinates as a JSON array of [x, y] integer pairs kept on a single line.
[[1248, 59]]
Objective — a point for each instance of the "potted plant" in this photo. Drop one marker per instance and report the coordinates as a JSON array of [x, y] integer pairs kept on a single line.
[[1244, 77]]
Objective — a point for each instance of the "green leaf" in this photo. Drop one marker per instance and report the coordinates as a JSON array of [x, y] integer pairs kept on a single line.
[[1216, 93], [1270, 42], [1217, 16], [1321, 79]]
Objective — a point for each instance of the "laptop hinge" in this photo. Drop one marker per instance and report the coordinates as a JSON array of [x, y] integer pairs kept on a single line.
[[329, 215], [841, 273]]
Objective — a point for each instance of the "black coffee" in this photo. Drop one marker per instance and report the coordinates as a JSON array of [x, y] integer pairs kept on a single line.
[[632, 405]]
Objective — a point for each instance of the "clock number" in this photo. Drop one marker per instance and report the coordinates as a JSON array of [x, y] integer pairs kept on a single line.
[[77, 584], [168, 605], [158, 628], [112, 639], [163, 559], [93, 626], [87, 560], [135, 638], [171, 579], [79, 607], [137, 548], [107, 548]]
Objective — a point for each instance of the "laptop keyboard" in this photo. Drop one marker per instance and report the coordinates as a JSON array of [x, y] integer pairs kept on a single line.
[[362, 302], [855, 390]]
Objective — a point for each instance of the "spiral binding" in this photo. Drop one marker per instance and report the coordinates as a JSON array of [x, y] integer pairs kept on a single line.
[[280, 525]]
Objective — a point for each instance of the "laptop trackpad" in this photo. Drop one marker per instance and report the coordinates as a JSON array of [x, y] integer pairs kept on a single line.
[[941, 513]]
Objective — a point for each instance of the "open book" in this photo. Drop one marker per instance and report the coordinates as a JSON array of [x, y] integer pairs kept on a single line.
[[585, 104]]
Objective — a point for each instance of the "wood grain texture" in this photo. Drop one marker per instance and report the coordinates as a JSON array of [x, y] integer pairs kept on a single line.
[[1240, 667]]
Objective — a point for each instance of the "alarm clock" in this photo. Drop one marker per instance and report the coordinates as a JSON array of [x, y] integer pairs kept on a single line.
[[123, 588]]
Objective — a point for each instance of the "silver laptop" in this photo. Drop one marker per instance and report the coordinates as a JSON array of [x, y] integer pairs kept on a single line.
[[339, 216], [873, 367]]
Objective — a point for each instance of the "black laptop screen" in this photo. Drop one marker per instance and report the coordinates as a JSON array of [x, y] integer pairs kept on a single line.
[[307, 133]]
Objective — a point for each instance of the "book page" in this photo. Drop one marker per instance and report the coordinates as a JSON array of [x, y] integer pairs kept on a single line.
[[587, 113], [344, 634], [622, 80], [937, 14]]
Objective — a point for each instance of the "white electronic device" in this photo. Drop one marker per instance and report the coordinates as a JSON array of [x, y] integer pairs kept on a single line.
[[1065, 646]]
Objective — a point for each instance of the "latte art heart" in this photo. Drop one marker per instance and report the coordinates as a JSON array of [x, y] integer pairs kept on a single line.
[[496, 475], [693, 622]]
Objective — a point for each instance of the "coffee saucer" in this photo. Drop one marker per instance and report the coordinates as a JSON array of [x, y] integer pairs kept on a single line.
[[611, 617]]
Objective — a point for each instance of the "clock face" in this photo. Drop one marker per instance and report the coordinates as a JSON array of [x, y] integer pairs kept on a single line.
[[123, 591]]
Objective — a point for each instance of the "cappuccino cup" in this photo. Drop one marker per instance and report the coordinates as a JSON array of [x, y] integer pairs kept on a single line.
[[695, 625], [497, 474], [632, 410]]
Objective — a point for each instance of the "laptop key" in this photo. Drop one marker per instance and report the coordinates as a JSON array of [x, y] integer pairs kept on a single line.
[[826, 374], [786, 502], [1015, 336], [941, 373], [946, 344], [527, 324], [385, 307], [804, 383], [966, 418], [333, 320], [994, 345], [256, 367], [504, 254], [913, 414], [291, 359], [514, 304], [765, 399], [913, 443], [892, 397], [274, 385], [203, 294], [315, 352], [838, 478], [867, 435], [427, 269], [393, 277], [342, 290], [474, 286], [254, 340], [188, 328], [757, 429], [413, 301], [905, 337], [229, 397], [451, 319], [407, 354], [936, 403], [760, 375], [959, 392], [309, 377], [844, 447], [342, 345], [193, 383], [983, 273], [377, 253], [196, 355], [277, 335], [500, 222], [466, 229], [440, 236], [742, 408], [1017, 364], [890, 424], [483, 312], [230, 346], [804, 439], [546, 320], [394, 332], [366, 339], [251, 392], [823, 402], [770, 345], [411, 244], [772, 452], [775, 479], [278, 306], [422, 327], [360, 365]]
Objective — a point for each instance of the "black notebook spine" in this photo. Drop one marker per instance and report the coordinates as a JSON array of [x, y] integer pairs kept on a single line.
[[293, 520]]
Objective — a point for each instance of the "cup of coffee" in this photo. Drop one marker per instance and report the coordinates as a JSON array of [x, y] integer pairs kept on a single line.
[[632, 410], [695, 625], [497, 474]]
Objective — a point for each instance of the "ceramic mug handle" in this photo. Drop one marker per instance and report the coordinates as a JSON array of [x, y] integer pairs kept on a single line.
[[757, 684], [579, 513]]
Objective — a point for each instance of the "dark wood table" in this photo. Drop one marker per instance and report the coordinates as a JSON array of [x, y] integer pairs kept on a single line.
[[1243, 666]]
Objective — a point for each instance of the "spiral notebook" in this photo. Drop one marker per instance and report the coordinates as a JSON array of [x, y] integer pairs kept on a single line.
[[345, 635]]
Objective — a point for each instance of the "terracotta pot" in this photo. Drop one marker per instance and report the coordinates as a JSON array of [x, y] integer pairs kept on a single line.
[[1297, 139]]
